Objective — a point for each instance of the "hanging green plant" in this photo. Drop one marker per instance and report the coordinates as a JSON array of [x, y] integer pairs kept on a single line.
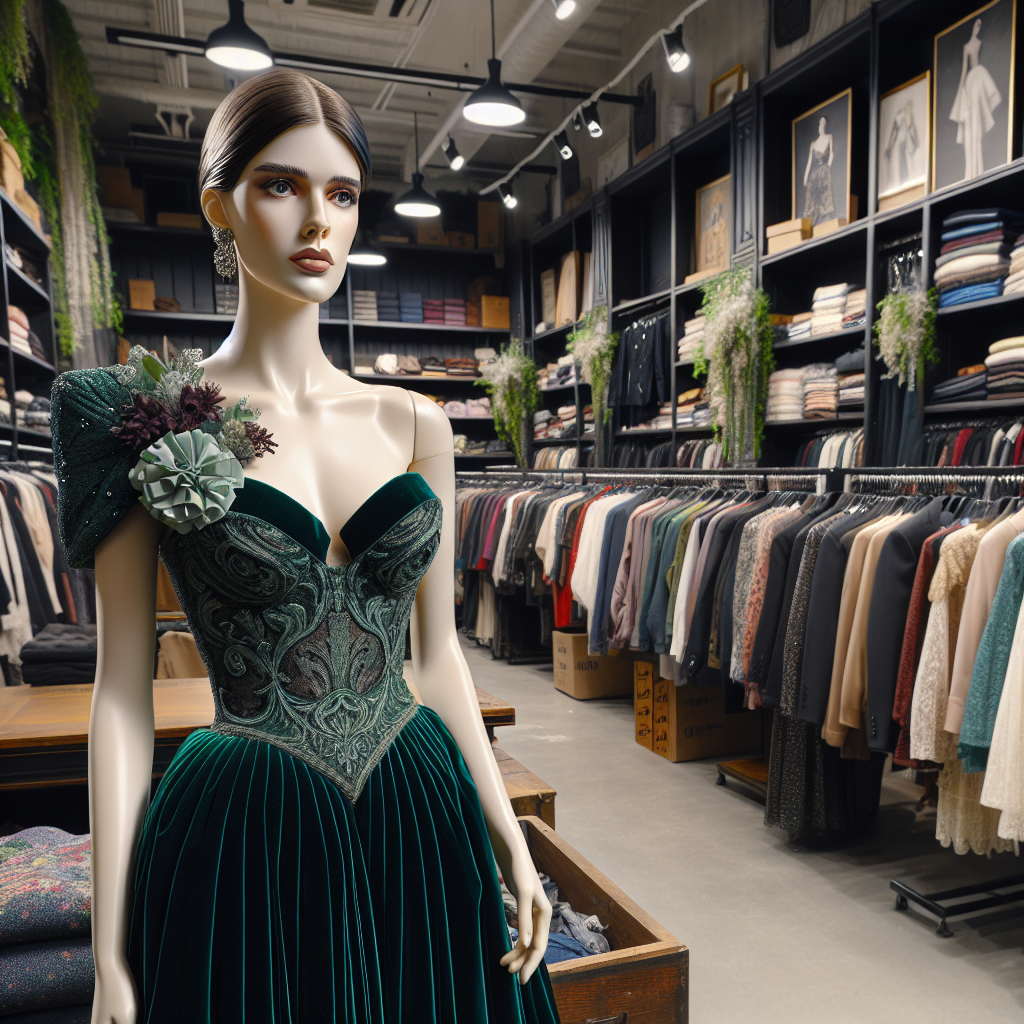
[[511, 382], [57, 154], [593, 348], [735, 353], [905, 334]]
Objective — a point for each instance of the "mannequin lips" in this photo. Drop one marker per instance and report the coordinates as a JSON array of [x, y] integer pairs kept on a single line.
[[316, 261]]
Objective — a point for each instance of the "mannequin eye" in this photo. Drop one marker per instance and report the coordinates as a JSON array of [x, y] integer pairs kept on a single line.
[[279, 187], [344, 197]]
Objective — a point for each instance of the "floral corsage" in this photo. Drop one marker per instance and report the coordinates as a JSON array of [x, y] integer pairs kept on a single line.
[[191, 451]]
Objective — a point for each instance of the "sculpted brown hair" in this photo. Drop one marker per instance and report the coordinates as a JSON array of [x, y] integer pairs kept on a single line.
[[259, 110]]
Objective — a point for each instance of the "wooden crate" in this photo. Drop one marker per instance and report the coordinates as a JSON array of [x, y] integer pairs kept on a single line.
[[645, 977], [528, 793]]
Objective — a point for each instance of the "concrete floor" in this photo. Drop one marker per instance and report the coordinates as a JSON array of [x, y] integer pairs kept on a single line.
[[776, 933]]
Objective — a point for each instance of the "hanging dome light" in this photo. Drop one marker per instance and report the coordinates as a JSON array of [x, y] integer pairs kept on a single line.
[[364, 253], [675, 53], [417, 202], [237, 46], [492, 104]]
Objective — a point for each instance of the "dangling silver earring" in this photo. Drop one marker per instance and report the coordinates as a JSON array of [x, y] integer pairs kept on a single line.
[[224, 260]]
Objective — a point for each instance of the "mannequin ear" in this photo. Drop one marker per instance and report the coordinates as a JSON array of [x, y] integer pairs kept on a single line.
[[213, 208]]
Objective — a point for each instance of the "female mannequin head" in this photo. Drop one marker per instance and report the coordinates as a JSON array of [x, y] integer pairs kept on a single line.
[[282, 166]]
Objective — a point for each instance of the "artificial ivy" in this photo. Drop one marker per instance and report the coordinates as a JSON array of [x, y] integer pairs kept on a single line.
[[735, 353], [511, 382]]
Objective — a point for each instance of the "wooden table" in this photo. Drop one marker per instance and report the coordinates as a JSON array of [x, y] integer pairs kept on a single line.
[[44, 730]]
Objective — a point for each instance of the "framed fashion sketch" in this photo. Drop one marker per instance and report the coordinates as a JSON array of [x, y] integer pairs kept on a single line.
[[723, 88], [713, 233], [972, 116], [904, 137], [821, 160]]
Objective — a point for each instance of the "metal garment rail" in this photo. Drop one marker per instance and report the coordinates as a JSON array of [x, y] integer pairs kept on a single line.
[[991, 481], [759, 477]]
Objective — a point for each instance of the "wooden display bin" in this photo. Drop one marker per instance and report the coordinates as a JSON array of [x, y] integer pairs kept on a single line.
[[645, 977]]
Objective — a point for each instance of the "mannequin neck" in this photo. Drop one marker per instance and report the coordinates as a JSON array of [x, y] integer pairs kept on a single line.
[[275, 341]]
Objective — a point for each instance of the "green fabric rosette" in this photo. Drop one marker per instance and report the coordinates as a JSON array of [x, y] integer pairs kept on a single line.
[[187, 480]]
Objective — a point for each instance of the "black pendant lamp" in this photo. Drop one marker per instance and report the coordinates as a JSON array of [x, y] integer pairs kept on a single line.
[[237, 46], [417, 202], [492, 104], [364, 253]]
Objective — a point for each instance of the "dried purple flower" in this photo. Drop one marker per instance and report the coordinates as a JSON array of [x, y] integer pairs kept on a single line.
[[260, 439], [199, 404], [145, 421]]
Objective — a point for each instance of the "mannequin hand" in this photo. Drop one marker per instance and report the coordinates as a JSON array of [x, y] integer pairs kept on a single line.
[[114, 1001], [534, 912]]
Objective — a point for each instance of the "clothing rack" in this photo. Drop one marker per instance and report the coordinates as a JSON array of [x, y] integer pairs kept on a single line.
[[784, 478], [990, 481]]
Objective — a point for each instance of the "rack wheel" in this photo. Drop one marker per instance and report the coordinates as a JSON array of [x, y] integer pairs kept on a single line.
[[944, 930], [901, 901], [720, 781]]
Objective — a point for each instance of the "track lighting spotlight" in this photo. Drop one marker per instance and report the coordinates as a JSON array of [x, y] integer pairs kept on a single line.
[[456, 161], [577, 122], [237, 46], [561, 141], [505, 192], [592, 120], [564, 8], [675, 52]]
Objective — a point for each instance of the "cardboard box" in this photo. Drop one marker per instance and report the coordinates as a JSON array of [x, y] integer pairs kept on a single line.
[[702, 275], [826, 227], [488, 225], [115, 186], [494, 312], [690, 723], [910, 194], [644, 675], [802, 224], [548, 294], [460, 239], [780, 243], [11, 179], [180, 220], [430, 232], [141, 293], [29, 207], [587, 676]]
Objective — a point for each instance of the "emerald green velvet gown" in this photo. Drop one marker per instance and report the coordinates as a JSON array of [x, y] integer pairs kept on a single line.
[[319, 854]]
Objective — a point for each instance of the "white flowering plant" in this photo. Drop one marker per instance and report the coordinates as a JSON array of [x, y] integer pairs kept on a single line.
[[511, 381], [905, 334], [735, 352]]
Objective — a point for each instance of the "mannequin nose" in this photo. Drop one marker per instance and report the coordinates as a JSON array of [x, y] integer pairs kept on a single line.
[[314, 230]]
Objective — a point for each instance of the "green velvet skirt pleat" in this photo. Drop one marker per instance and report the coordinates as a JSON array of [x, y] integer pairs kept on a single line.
[[263, 896]]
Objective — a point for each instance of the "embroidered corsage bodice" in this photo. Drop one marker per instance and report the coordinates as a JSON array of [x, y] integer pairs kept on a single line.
[[301, 654]]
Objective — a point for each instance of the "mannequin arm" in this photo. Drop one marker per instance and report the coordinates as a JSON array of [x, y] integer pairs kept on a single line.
[[120, 747], [446, 686]]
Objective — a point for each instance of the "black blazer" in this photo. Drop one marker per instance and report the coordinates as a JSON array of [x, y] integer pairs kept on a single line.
[[887, 619]]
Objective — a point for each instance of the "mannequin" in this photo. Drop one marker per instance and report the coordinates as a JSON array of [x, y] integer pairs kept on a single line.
[[341, 445]]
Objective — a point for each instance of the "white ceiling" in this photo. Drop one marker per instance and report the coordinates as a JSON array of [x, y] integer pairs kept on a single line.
[[582, 52]]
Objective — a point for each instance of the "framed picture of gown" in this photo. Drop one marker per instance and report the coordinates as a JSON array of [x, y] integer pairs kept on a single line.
[[904, 142], [713, 242], [821, 160], [972, 113]]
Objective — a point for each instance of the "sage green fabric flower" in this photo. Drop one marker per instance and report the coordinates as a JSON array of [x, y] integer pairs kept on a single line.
[[187, 480]]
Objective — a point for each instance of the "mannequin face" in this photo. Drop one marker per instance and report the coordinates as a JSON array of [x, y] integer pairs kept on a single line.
[[294, 213]]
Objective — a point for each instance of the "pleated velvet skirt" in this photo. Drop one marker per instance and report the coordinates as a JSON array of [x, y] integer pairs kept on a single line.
[[263, 896]]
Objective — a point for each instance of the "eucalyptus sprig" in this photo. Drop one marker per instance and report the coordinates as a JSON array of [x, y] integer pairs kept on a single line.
[[735, 353], [904, 334], [511, 382]]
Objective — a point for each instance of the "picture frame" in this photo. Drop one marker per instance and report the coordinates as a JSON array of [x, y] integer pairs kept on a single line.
[[614, 162], [723, 88], [821, 150], [904, 142], [973, 94], [713, 226]]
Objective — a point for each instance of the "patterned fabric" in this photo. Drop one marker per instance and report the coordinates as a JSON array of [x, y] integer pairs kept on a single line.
[[45, 886], [38, 975]]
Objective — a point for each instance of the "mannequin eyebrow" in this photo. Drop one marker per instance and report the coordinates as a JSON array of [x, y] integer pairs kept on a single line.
[[295, 172]]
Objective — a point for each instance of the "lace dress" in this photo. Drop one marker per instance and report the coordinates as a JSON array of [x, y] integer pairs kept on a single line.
[[819, 203], [319, 853]]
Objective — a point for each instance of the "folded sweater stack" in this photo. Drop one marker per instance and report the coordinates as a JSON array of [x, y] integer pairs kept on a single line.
[[829, 308], [969, 385], [785, 396], [1005, 368], [1015, 282], [851, 391], [975, 256], [692, 335], [799, 326], [821, 391], [855, 314]]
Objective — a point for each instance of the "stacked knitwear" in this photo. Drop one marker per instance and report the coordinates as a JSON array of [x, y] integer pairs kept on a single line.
[[410, 306], [851, 392], [974, 260], [1014, 284], [828, 308], [1005, 366], [387, 306], [18, 330], [433, 311], [855, 314], [821, 391], [692, 335], [785, 396], [364, 304], [969, 385], [455, 312], [799, 327]]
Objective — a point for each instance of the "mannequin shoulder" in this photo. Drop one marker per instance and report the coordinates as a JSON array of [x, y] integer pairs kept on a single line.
[[433, 428]]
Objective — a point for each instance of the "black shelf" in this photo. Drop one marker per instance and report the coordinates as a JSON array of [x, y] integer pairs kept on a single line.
[[562, 387], [156, 314], [22, 280], [27, 358], [838, 239], [553, 442], [413, 376], [116, 227], [996, 303], [853, 332], [401, 326], [502, 456], [650, 432], [472, 419], [646, 300], [554, 332], [450, 249], [24, 227], [843, 417], [981, 405]]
